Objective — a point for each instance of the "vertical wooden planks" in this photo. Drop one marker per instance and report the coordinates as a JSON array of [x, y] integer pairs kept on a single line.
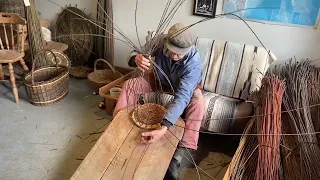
[[106, 148], [119, 154]]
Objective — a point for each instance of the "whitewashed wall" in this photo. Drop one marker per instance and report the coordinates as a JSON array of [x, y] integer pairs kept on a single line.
[[284, 41], [50, 11]]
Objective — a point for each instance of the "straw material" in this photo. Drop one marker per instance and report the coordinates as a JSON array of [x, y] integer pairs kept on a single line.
[[99, 78], [104, 46], [35, 37], [47, 85]]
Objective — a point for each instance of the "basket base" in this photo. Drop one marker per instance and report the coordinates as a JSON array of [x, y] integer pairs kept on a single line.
[[50, 102]]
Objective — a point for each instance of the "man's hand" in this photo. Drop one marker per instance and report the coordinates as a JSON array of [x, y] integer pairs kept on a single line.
[[153, 136], [142, 62]]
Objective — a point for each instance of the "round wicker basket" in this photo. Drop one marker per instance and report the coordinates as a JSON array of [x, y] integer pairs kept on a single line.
[[148, 116], [76, 32], [99, 78]]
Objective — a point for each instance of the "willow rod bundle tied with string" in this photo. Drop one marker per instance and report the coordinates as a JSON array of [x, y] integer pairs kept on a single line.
[[104, 47], [35, 37], [270, 96], [259, 156]]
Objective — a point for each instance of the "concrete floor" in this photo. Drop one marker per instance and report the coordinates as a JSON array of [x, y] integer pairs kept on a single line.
[[40, 143]]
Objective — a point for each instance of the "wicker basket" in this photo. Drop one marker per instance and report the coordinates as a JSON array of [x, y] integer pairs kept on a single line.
[[47, 85], [99, 78], [80, 71]]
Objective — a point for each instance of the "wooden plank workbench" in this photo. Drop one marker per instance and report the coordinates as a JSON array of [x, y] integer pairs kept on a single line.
[[119, 154]]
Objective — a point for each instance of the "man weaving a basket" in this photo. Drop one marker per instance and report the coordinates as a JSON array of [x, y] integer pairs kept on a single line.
[[179, 59]]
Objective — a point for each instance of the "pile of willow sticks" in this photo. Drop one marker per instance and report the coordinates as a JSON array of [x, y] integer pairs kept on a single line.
[[301, 153], [104, 47], [270, 96], [281, 140], [258, 156], [35, 37]]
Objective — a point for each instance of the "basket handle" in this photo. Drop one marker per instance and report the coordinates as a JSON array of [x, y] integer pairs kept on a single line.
[[111, 67], [36, 60]]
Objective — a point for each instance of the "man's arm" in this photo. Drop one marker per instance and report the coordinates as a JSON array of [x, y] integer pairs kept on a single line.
[[182, 97]]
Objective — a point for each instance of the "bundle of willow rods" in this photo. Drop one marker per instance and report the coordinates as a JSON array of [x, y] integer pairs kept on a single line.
[[258, 156], [104, 46], [245, 160], [314, 98], [300, 153], [35, 37], [270, 96]]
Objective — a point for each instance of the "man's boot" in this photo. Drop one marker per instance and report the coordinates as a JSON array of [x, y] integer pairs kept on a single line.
[[173, 172]]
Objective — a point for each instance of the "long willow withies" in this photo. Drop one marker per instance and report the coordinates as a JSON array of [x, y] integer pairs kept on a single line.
[[302, 160], [258, 156], [270, 97]]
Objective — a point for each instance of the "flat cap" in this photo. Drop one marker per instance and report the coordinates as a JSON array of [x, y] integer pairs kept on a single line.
[[180, 39]]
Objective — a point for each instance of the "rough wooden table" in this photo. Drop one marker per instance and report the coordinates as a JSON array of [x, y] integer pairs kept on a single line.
[[119, 154]]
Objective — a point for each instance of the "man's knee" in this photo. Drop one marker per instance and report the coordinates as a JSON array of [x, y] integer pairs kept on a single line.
[[197, 101]]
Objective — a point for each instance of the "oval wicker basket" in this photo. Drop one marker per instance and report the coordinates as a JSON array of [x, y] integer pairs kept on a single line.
[[99, 78], [47, 85]]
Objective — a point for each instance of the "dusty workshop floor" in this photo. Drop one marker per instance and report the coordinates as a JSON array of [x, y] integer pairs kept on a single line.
[[41, 143]]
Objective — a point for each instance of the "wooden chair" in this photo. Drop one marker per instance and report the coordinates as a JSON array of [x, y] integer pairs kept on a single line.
[[12, 38]]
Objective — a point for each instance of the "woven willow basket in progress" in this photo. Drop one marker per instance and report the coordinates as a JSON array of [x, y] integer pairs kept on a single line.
[[148, 116]]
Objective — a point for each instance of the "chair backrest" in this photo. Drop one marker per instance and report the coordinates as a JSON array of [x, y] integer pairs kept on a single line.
[[232, 69], [12, 32]]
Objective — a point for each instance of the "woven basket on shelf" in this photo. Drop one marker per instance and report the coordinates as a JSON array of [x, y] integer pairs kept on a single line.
[[99, 78], [48, 84]]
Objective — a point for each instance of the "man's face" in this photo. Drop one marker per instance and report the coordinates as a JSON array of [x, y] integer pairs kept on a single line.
[[174, 56]]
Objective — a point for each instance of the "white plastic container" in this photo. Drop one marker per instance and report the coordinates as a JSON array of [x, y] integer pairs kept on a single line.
[[115, 92]]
